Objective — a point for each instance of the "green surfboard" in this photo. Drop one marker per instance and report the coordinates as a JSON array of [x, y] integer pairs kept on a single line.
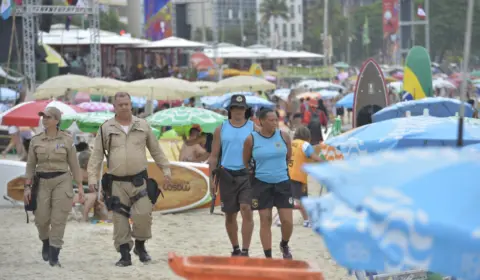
[[417, 76]]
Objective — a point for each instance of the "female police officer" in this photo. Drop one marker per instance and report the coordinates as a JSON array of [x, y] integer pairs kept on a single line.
[[51, 154]]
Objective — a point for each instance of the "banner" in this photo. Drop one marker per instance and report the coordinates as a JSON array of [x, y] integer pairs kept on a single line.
[[158, 19], [391, 23], [303, 72], [6, 9]]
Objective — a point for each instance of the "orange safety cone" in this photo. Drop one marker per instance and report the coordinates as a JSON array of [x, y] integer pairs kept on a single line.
[[241, 268]]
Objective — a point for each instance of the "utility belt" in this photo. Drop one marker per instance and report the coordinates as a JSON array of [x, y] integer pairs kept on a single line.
[[228, 175], [113, 203], [32, 205]]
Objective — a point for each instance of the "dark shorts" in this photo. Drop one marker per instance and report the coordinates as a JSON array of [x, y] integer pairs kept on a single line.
[[267, 196], [235, 190], [340, 111], [349, 110], [299, 190]]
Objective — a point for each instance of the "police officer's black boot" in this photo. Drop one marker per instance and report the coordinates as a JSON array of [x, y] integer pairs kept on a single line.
[[126, 259], [141, 252], [45, 249], [53, 256]]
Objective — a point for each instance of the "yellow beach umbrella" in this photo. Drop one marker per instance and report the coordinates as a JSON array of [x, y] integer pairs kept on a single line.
[[53, 56], [243, 83], [205, 87], [59, 85]]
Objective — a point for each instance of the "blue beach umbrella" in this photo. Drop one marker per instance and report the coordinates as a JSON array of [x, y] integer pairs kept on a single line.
[[217, 102], [140, 102], [437, 107], [7, 94], [347, 234], [254, 102], [472, 148], [346, 101], [403, 133], [421, 206]]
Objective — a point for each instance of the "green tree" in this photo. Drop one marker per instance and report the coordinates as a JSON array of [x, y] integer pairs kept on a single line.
[[447, 28], [375, 25], [273, 9], [337, 26]]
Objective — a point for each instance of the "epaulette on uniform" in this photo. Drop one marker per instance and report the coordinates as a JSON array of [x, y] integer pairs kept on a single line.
[[38, 134]]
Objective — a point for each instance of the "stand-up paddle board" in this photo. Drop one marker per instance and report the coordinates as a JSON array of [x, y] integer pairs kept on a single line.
[[370, 93], [11, 182], [417, 75], [189, 188]]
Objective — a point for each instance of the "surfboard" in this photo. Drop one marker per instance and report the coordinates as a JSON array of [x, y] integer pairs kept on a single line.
[[189, 188], [11, 182], [370, 93], [417, 74]]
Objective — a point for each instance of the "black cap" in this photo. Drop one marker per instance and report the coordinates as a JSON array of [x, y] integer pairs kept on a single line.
[[238, 100]]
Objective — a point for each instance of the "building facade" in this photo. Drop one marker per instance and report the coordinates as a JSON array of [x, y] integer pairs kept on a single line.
[[285, 34]]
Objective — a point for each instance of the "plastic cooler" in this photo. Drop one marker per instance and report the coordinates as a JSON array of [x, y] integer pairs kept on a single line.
[[239, 268]]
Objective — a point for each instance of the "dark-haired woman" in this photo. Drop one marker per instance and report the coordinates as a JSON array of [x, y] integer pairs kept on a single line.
[[52, 158], [270, 149], [233, 177]]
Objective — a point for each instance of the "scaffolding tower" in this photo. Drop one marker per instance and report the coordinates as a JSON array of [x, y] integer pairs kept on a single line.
[[30, 10]]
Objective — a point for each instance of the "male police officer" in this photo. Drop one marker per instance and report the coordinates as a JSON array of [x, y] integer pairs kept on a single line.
[[125, 137]]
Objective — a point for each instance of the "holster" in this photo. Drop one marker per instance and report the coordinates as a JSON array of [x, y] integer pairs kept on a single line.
[[153, 191], [32, 205], [113, 202], [222, 174]]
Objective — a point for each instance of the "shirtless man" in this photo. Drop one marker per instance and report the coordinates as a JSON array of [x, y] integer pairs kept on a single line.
[[192, 151]]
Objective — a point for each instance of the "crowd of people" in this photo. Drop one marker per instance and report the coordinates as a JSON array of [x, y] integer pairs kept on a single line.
[[255, 164]]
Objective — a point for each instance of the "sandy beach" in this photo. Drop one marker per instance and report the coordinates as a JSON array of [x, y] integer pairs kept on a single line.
[[88, 252]]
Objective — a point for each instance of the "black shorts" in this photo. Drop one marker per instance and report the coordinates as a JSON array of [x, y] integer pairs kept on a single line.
[[349, 110], [235, 189], [340, 111], [266, 195], [299, 190]]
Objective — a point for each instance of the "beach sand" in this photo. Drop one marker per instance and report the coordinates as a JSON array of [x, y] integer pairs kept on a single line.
[[88, 252]]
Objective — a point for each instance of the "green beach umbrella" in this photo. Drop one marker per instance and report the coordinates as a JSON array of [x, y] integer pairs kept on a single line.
[[170, 134], [475, 74], [91, 122], [185, 117]]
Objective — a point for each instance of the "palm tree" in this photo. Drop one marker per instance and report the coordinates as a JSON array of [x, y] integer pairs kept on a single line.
[[273, 9]]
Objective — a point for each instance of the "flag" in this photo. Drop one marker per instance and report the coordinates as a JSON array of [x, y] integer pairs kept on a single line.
[[421, 12], [365, 35], [6, 9]]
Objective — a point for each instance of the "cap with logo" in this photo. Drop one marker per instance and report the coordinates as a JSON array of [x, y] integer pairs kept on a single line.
[[51, 112], [238, 100]]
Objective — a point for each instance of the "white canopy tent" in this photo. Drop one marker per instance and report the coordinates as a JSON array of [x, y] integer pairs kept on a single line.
[[270, 52], [304, 54], [172, 42], [58, 35], [226, 50]]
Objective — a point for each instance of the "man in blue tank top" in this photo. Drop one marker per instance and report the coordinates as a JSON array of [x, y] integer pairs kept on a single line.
[[271, 149], [231, 175]]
